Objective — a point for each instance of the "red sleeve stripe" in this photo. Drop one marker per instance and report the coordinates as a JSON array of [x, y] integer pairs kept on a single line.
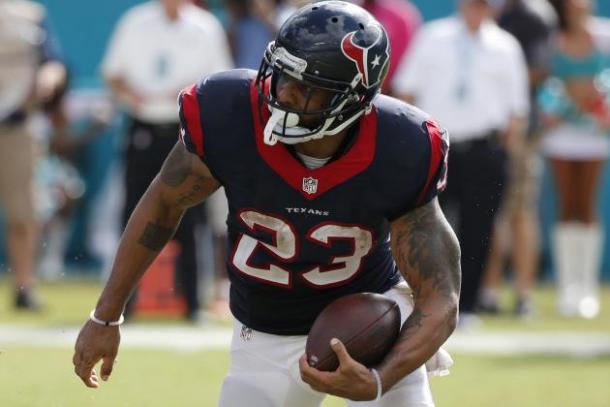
[[192, 117], [436, 155]]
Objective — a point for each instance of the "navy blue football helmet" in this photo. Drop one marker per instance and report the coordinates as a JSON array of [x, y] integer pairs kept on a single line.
[[333, 46]]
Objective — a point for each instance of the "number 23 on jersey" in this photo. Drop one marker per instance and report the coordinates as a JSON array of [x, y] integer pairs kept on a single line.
[[285, 248]]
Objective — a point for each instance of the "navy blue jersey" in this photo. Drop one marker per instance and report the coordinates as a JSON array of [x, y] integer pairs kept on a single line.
[[300, 238]]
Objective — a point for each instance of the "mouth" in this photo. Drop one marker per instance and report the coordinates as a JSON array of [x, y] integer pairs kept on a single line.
[[308, 120]]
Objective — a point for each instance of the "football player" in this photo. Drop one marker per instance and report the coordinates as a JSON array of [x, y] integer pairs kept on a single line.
[[331, 190]]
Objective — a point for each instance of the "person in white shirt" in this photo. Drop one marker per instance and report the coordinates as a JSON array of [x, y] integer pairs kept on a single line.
[[32, 78], [158, 48], [472, 76]]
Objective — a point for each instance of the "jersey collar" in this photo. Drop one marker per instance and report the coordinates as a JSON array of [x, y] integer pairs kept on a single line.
[[312, 183]]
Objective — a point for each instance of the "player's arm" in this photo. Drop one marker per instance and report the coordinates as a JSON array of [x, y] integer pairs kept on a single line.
[[184, 181], [427, 253]]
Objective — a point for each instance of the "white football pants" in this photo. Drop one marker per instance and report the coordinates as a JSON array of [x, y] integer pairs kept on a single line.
[[264, 371]]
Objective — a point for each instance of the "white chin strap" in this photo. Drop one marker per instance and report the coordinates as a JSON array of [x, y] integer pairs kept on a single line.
[[275, 127], [276, 122]]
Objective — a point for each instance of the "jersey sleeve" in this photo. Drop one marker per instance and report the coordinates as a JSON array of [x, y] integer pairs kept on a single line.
[[191, 129], [436, 179], [216, 120]]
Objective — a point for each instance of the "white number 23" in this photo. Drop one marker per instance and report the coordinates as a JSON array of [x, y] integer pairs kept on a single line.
[[285, 248]]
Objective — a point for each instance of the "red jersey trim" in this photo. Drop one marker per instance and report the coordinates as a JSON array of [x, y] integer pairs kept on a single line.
[[436, 155], [192, 117], [313, 183]]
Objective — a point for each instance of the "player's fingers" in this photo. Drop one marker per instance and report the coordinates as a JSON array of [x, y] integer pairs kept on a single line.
[[308, 373], [84, 368], [106, 369], [339, 349], [87, 374], [304, 367], [317, 379]]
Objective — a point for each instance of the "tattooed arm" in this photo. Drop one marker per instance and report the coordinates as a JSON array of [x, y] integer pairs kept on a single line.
[[183, 181], [428, 255]]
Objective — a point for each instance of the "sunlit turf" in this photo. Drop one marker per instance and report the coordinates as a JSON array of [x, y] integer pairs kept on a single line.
[[32, 377], [65, 303], [547, 317], [524, 381]]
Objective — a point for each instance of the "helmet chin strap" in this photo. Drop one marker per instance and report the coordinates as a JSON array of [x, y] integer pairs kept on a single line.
[[282, 122], [280, 119]]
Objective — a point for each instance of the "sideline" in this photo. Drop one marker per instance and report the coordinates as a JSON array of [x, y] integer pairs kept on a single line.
[[203, 337]]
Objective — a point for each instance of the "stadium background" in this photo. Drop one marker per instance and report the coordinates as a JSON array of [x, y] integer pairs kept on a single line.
[[83, 29], [161, 369]]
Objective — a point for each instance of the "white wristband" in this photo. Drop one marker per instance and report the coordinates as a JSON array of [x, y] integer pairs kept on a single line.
[[378, 381], [93, 318]]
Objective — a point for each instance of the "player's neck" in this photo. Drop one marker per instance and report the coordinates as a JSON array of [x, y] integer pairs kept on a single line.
[[321, 148]]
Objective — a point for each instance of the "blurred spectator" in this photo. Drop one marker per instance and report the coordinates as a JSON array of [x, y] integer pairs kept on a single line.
[[252, 27], [285, 8], [158, 48], [516, 230], [70, 179], [471, 75], [401, 19], [576, 104], [31, 77]]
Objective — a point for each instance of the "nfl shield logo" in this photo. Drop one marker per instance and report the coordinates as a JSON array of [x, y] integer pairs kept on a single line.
[[310, 185]]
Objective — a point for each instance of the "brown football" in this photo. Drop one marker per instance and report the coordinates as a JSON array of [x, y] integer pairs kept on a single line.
[[367, 324]]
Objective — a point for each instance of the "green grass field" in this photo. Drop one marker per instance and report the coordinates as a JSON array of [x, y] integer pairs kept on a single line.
[[147, 378], [43, 376]]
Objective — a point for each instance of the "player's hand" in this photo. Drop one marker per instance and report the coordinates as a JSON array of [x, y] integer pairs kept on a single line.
[[94, 343], [351, 380]]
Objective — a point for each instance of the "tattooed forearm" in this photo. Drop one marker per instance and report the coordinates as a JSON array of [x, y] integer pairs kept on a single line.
[[427, 252], [415, 320], [177, 166], [155, 236], [428, 256]]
